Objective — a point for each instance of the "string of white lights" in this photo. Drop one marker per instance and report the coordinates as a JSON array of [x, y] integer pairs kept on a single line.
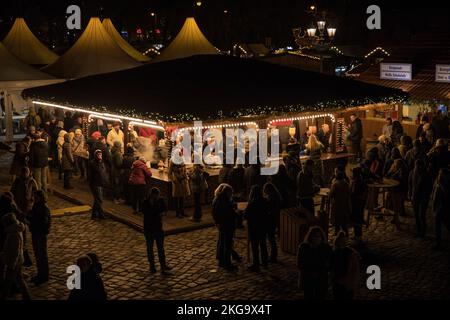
[[322, 115]]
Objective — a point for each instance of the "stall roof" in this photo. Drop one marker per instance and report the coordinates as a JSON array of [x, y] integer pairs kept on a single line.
[[22, 43], [189, 41], [128, 48], [95, 52], [12, 69], [423, 52], [213, 86]]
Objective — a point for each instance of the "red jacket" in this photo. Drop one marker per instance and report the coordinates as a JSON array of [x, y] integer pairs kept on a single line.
[[139, 173]]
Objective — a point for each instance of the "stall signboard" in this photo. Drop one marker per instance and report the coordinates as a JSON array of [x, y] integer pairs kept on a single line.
[[396, 71], [443, 73]]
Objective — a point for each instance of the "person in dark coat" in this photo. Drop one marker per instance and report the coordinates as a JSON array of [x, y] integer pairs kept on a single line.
[[314, 263], [419, 130], [253, 177], [397, 133], [425, 143], [257, 215], [285, 186], [198, 185], [340, 204], [441, 125], [116, 171], [40, 222], [419, 191], [67, 162], [127, 164], [274, 202], [345, 263], [23, 189], [358, 199], [98, 179], [237, 182], [415, 153], [140, 174], [306, 188], [356, 135], [68, 121], [224, 215], [21, 157], [39, 152], [440, 202], [395, 154], [439, 157], [153, 209], [100, 144], [293, 165], [92, 287], [224, 173]]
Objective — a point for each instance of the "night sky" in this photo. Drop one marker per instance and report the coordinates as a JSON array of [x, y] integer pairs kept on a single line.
[[246, 21]]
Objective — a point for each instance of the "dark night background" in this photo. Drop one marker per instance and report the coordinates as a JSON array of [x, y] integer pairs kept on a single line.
[[246, 21]]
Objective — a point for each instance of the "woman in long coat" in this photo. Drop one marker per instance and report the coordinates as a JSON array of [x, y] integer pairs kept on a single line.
[[67, 161], [180, 186], [20, 157], [340, 203]]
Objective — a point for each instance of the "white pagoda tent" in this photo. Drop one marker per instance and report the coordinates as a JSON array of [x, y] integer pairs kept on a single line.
[[22, 43], [15, 76], [128, 48], [190, 41], [95, 52]]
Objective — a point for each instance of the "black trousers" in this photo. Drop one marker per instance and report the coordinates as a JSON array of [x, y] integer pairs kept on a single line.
[[97, 207], [39, 241], [179, 206], [308, 204], [356, 149], [259, 250], [150, 239], [138, 195], [224, 248], [198, 206], [315, 287], [271, 235], [67, 177]]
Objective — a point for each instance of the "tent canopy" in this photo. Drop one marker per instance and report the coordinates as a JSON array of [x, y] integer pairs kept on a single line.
[[130, 50], [12, 69], [212, 86], [189, 41], [22, 43], [95, 52]]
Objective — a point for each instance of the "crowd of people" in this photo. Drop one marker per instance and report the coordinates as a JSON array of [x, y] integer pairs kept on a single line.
[[420, 166]]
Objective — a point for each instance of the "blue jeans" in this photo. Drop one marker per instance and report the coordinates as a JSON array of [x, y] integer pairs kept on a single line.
[[150, 238]]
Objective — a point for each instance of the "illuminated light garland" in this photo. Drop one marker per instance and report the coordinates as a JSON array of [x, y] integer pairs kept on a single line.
[[220, 126], [97, 116], [103, 115], [298, 53], [375, 50], [323, 115], [143, 124]]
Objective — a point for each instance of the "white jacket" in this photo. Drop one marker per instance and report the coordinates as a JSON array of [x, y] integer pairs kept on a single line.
[[113, 136]]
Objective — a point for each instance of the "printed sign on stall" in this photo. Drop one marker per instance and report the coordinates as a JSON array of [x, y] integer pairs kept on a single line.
[[396, 71], [443, 73]]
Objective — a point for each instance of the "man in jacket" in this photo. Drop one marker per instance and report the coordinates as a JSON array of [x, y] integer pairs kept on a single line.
[[40, 221], [115, 134], [39, 152], [356, 134], [306, 188], [97, 180], [153, 209], [12, 256]]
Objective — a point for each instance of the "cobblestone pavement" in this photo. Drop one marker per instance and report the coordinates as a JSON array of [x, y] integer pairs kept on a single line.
[[410, 269]]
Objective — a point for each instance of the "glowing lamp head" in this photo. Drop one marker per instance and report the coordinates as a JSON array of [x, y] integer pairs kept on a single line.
[[198, 3], [331, 32], [321, 25], [311, 32]]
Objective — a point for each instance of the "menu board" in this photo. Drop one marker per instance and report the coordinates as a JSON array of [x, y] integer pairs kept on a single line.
[[396, 71], [443, 73]]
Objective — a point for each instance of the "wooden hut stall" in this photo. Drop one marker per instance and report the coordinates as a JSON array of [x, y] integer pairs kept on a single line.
[[223, 92]]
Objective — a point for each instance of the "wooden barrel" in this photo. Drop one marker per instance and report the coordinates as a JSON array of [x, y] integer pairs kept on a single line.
[[293, 229]]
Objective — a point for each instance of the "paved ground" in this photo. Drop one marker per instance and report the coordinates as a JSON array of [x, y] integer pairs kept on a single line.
[[410, 269]]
